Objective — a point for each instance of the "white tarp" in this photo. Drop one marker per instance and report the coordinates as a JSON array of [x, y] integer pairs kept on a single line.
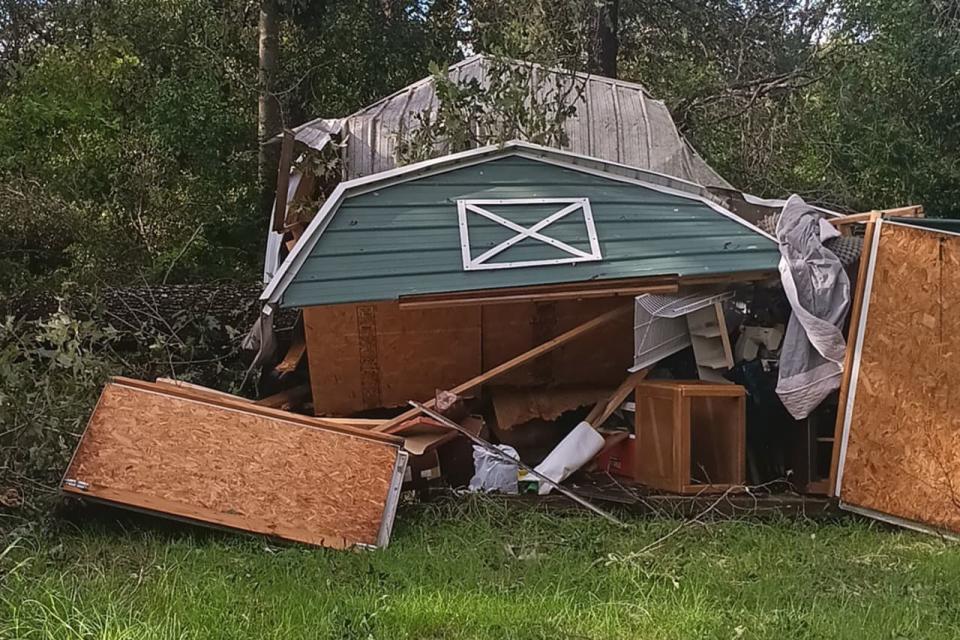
[[818, 289]]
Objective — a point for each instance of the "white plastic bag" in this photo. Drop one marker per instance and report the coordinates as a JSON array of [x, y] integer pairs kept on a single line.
[[494, 473], [574, 451]]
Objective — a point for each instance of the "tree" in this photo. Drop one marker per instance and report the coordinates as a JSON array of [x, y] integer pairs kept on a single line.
[[269, 117], [605, 47]]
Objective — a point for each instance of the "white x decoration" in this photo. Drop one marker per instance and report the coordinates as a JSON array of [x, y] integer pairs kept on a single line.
[[582, 205]]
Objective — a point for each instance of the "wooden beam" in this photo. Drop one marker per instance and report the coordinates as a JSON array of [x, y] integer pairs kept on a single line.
[[728, 278], [363, 423], [603, 410], [856, 310], [577, 294], [513, 363], [912, 211], [296, 351], [200, 390], [566, 290]]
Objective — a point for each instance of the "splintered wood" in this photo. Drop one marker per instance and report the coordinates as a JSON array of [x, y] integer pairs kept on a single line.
[[903, 438], [224, 465]]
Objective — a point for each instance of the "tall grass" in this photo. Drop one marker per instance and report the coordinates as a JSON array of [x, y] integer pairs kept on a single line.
[[482, 569]]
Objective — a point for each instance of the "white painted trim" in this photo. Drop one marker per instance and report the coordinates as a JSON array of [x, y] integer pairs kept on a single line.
[[476, 206], [921, 227], [858, 349], [898, 521], [273, 292]]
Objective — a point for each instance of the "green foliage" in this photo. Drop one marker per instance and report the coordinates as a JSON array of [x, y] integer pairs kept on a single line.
[[122, 154], [515, 103], [885, 120], [52, 371]]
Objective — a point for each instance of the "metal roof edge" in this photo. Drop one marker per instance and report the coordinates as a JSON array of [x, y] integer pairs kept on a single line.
[[295, 259]]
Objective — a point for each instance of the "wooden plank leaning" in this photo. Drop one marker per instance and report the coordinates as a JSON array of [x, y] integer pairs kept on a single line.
[[856, 310], [513, 363]]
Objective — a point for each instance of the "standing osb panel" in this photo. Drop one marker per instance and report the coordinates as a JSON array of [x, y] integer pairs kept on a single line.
[[366, 356], [229, 466], [333, 357], [598, 358], [422, 350], [903, 439]]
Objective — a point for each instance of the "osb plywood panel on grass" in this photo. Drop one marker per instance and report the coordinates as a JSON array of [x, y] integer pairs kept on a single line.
[[903, 439], [223, 465]]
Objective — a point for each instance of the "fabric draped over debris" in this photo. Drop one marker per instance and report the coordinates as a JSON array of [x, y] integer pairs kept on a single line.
[[818, 290]]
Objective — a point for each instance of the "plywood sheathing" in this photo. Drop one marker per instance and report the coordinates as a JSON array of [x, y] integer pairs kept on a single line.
[[903, 442], [366, 356], [224, 465], [375, 355], [597, 358]]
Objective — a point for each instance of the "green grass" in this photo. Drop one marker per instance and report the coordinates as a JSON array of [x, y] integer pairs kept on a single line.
[[483, 569]]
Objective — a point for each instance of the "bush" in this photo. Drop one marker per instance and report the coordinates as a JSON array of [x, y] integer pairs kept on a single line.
[[52, 370]]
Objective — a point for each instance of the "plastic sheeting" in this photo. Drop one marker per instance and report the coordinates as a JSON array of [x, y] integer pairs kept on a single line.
[[818, 289]]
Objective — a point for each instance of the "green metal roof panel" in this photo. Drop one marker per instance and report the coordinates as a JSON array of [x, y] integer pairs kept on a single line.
[[405, 238]]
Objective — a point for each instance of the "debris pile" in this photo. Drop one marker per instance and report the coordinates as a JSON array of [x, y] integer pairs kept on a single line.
[[515, 319]]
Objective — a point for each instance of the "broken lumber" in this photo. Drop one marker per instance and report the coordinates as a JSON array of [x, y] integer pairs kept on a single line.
[[603, 410], [284, 399], [515, 362], [422, 408]]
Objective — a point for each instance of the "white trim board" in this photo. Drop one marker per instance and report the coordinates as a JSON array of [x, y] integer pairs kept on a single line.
[[857, 351], [480, 207]]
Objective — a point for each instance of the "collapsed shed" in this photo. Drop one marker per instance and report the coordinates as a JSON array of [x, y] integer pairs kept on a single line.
[[610, 120], [544, 282], [452, 266]]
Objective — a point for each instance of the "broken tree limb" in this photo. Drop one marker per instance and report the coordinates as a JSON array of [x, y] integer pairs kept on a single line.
[[518, 361], [499, 454]]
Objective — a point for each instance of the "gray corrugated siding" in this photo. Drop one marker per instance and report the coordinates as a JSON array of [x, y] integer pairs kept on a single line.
[[615, 121], [404, 239]]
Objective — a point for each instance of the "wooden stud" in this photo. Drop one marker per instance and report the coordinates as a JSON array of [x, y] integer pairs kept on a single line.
[[603, 410], [285, 397], [856, 310]]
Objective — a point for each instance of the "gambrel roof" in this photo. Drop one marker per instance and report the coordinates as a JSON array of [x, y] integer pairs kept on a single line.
[[614, 120], [516, 215]]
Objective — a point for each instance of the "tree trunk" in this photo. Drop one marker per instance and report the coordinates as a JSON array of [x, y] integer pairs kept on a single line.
[[268, 108], [606, 39]]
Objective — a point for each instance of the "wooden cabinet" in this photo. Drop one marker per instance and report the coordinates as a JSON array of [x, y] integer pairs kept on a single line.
[[689, 436]]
